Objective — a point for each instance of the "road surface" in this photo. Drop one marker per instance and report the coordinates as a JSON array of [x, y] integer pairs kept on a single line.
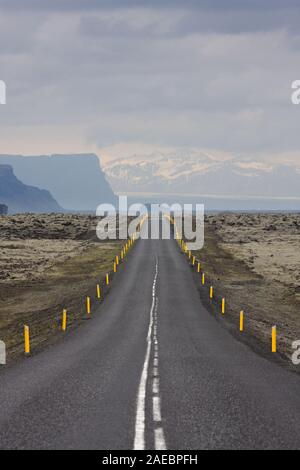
[[152, 370]]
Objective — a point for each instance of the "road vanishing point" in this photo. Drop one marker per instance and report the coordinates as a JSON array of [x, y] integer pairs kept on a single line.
[[152, 369]]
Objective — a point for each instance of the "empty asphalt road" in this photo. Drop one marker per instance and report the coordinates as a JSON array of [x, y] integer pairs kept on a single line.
[[152, 370]]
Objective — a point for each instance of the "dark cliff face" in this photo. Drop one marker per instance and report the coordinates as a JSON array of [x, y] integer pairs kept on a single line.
[[22, 198], [3, 209], [77, 182]]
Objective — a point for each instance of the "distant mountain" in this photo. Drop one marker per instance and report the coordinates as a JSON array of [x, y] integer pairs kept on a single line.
[[200, 172], [77, 182], [3, 209], [22, 198]]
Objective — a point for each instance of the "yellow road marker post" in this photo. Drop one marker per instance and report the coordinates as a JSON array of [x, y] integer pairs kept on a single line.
[[211, 292], [98, 292], [88, 305], [107, 279], [223, 306], [203, 279], [194, 261], [117, 261], [26, 340], [199, 267], [115, 267], [64, 320], [241, 321], [274, 339]]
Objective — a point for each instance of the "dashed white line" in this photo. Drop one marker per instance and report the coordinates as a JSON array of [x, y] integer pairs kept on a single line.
[[155, 387], [160, 443], [139, 439], [156, 410], [159, 439]]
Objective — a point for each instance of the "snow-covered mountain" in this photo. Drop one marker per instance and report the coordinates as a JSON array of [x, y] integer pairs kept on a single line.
[[203, 172]]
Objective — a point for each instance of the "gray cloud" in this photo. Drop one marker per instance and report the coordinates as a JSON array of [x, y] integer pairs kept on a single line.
[[169, 72], [96, 4], [232, 16]]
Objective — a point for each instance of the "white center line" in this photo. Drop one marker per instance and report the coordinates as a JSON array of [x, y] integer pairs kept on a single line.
[[160, 443], [159, 439], [139, 440], [155, 386], [156, 410]]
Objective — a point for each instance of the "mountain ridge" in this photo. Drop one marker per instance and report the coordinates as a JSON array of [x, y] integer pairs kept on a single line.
[[203, 173], [76, 181], [19, 197]]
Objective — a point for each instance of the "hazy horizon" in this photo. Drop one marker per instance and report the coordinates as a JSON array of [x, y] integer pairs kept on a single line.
[[141, 82]]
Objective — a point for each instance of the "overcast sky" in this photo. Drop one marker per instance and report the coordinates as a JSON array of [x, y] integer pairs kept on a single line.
[[83, 75]]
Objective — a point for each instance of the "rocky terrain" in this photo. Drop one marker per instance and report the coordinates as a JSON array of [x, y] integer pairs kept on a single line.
[[268, 244], [48, 226], [48, 263], [254, 261]]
